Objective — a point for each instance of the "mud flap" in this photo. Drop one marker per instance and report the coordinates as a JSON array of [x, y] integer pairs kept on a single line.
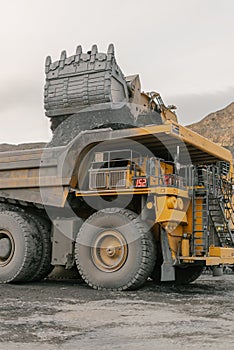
[[167, 268]]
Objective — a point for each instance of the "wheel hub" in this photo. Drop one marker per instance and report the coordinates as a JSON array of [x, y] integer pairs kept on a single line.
[[109, 251], [6, 247]]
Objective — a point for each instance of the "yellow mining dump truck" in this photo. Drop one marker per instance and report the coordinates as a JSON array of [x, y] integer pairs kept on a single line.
[[122, 193]]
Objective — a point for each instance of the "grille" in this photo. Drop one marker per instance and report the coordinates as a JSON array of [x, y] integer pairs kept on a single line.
[[97, 180], [117, 178], [107, 179]]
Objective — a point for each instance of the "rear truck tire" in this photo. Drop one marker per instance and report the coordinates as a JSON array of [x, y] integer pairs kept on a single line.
[[184, 274], [20, 247], [115, 250], [45, 267]]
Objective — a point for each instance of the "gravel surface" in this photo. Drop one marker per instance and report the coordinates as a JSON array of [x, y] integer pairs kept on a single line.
[[69, 315]]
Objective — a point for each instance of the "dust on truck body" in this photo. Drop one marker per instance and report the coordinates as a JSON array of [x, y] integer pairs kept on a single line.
[[122, 193]]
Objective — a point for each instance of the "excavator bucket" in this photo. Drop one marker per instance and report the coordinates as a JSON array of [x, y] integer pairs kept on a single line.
[[89, 91], [82, 80]]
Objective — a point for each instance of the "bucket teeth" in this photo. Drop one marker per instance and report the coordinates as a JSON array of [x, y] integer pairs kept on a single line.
[[78, 53], [47, 64], [79, 50], [111, 50], [94, 50], [48, 61], [63, 55]]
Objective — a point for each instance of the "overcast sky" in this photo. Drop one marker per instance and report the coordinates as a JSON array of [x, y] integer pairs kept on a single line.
[[183, 49]]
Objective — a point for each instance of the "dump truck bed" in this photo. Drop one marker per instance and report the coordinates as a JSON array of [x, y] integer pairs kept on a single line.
[[25, 174]]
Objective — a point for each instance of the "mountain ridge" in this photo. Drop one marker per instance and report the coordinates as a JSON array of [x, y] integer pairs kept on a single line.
[[218, 127]]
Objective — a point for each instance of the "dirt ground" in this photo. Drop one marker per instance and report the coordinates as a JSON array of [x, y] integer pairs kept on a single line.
[[66, 315]]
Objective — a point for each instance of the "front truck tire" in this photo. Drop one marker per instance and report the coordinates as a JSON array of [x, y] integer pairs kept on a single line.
[[115, 250], [20, 249]]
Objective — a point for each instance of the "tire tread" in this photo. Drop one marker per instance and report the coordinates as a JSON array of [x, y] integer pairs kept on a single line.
[[148, 251]]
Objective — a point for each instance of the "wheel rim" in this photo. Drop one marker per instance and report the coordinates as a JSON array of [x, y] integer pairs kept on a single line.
[[7, 247], [109, 251]]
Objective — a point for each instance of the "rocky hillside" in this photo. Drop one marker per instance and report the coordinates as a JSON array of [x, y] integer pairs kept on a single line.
[[218, 127]]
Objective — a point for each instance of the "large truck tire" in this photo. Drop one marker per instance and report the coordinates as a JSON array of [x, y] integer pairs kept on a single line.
[[187, 274], [45, 267], [183, 274], [20, 247], [115, 250]]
